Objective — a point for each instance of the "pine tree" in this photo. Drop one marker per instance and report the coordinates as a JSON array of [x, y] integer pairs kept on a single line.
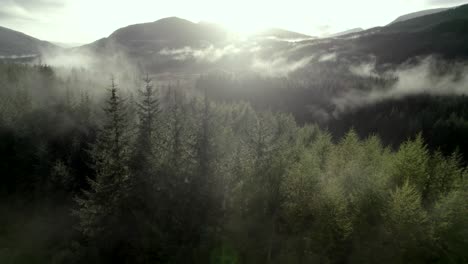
[[148, 114], [146, 199], [103, 209], [204, 142], [451, 224], [407, 224], [411, 164], [205, 192], [176, 129]]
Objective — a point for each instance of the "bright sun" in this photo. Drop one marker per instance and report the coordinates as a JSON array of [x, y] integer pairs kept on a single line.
[[245, 26], [312, 17]]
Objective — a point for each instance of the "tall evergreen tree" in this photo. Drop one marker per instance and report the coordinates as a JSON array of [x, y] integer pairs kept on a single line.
[[146, 199], [148, 113], [103, 209]]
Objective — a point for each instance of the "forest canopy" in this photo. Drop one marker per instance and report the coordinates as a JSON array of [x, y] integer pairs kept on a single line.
[[143, 172]]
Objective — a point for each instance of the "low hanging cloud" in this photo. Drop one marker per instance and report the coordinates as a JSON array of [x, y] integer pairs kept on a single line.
[[279, 63], [364, 70], [328, 57], [209, 54], [279, 66], [19, 56], [290, 40], [422, 78], [70, 59]]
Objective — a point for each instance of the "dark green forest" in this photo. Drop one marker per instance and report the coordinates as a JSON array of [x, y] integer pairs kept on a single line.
[[129, 170]]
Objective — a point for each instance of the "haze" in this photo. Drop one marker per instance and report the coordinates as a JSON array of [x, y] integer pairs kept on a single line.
[[159, 139], [73, 21]]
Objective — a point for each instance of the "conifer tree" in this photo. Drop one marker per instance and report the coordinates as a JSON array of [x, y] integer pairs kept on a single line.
[[147, 201], [103, 209], [407, 225], [148, 114]]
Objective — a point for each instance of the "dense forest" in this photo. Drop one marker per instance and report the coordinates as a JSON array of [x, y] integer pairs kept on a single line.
[[129, 170], [331, 96]]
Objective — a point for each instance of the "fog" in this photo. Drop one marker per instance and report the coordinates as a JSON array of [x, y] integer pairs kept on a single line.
[[426, 76], [328, 57], [181, 142], [279, 66], [18, 56], [210, 54]]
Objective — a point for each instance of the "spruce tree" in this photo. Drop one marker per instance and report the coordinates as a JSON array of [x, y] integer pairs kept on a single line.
[[148, 114], [147, 201], [103, 209]]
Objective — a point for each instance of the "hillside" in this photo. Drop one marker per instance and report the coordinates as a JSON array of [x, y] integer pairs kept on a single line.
[[346, 32], [175, 33], [426, 22], [17, 44], [181, 142], [444, 34], [281, 34], [418, 14], [178, 45]]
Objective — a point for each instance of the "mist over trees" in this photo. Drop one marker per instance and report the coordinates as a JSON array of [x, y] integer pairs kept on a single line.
[[144, 172], [181, 142]]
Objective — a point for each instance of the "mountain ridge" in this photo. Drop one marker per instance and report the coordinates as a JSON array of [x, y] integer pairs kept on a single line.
[[15, 43], [418, 14]]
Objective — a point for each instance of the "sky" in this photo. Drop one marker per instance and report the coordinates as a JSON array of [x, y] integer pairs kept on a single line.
[[84, 21]]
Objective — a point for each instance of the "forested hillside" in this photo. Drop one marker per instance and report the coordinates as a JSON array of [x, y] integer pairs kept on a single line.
[[149, 172], [14, 45]]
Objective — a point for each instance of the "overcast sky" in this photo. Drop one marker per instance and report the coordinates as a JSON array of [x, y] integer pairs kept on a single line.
[[84, 21]]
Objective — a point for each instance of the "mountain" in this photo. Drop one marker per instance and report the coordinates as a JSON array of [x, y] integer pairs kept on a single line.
[[177, 45], [346, 32], [175, 33], [443, 34], [281, 34], [148, 38], [426, 22], [16, 44], [418, 14]]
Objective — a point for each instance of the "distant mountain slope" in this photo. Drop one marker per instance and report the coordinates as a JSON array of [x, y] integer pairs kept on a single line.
[[418, 14], [444, 34], [426, 22], [178, 45], [174, 33], [14, 43], [148, 38], [281, 34], [346, 32]]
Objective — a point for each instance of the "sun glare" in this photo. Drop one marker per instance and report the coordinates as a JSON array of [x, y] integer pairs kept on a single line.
[[245, 26]]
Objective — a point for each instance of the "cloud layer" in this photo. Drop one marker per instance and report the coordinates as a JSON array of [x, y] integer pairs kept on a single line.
[[422, 78]]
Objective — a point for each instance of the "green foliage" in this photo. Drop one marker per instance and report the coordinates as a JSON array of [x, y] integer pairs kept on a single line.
[[407, 224], [451, 224], [412, 164], [191, 180], [103, 209]]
